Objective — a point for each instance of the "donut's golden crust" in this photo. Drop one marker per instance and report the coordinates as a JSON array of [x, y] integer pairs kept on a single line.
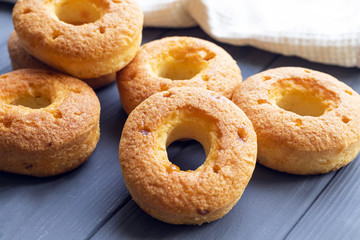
[[140, 79], [20, 58], [301, 144], [50, 140], [187, 197], [86, 51]]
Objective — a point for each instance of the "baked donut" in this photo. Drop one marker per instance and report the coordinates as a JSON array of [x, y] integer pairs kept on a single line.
[[20, 58], [49, 122], [177, 62], [159, 187], [84, 38], [307, 122]]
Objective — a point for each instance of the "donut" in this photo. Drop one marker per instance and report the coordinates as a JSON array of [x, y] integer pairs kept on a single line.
[[49, 122], [20, 58], [307, 122], [85, 39], [158, 186], [177, 62]]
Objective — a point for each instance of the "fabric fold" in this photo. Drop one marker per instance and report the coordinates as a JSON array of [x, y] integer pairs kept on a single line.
[[318, 30]]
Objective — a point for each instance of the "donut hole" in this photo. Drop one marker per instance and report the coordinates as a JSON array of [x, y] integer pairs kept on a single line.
[[34, 102], [78, 12], [301, 101], [185, 138], [177, 151], [182, 63], [176, 69]]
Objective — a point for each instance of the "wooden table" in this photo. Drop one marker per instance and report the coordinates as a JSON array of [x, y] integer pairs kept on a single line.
[[92, 202]]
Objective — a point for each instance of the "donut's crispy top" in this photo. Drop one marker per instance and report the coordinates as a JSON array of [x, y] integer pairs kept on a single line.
[[36, 23], [225, 132], [73, 108], [336, 128], [139, 79]]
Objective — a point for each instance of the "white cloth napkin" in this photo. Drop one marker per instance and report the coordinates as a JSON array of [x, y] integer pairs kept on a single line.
[[325, 31]]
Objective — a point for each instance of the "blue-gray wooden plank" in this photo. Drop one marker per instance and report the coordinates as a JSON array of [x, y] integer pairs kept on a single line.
[[335, 214], [271, 205], [274, 205], [76, 205], [251, 61], [6, 28], [72, 205]]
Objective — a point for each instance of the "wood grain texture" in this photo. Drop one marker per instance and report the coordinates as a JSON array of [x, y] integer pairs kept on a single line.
[[72, 205], [272, 203], [6, 28], [335, 213], [93, 203]]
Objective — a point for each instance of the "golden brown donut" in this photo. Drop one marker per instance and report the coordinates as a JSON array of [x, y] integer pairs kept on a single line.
[[307, 122], [49, 122], [20, 58], [84, 38], [177, 62], [159, 187]]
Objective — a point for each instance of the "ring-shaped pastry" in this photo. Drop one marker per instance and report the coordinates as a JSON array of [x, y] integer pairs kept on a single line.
[[20, 58], [307, 122], [159, 187], [177, 62], [49, 122], [84, 38]]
